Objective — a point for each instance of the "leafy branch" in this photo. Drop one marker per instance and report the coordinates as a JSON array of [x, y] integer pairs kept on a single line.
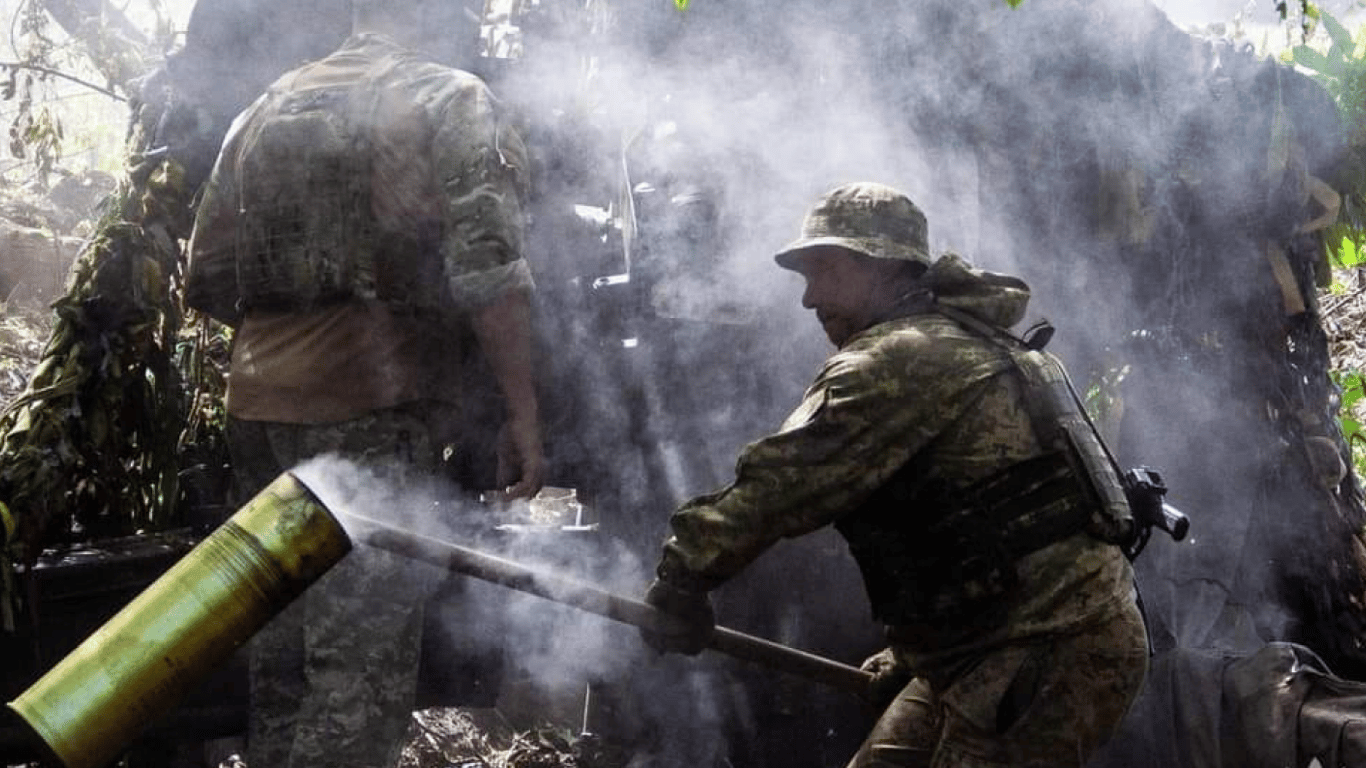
[[1342, 73], [1352, 385], [13, 68]]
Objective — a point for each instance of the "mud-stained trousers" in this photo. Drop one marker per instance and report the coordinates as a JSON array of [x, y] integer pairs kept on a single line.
[[334, 676], [1044, 705]]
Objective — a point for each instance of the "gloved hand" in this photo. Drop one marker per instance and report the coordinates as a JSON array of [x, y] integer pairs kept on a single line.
[[694, 608], [889, 677]]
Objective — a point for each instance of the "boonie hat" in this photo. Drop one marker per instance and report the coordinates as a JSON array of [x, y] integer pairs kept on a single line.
[[866, 217]]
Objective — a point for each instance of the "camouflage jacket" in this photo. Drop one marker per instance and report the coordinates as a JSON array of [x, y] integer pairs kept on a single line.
[[917, 387], [429, 215]]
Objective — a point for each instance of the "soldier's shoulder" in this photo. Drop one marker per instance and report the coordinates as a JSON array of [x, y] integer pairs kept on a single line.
[[439, 82], [916, 334], [919, 348]]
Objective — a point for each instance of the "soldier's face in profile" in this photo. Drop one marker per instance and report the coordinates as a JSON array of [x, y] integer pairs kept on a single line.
[[847, 291]]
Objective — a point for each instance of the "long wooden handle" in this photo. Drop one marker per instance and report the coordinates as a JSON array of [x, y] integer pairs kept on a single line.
[[585, 597]]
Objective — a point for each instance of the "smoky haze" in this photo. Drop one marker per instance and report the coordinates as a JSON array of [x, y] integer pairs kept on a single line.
[[1117, 164], [1123, 168]]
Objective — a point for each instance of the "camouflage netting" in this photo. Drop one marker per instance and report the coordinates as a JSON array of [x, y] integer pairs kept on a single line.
[[116, 424]]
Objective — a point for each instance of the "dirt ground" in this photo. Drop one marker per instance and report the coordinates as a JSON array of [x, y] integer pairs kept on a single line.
[[481, 738], [23, 333], [1344, 315]]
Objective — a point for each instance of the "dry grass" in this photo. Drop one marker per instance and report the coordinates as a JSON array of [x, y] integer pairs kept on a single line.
[[23, 334], [1344, 319]]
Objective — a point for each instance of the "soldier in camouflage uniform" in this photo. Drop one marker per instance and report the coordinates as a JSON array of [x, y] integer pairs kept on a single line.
[[362, 231], [975, 500]]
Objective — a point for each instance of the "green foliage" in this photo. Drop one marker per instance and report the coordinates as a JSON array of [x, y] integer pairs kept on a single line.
[[1104, 399], [1352, 383], [35, 133], [1347, 254], [1014, 3], [1345, 249], [1341, 70], [681, 5], [89, 446], [49, 131]]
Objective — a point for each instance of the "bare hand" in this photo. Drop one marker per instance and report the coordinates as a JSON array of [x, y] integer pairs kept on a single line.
[[520, 459]]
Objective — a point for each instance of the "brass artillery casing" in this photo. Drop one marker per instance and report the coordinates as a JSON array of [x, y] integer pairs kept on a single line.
[[93, 703]]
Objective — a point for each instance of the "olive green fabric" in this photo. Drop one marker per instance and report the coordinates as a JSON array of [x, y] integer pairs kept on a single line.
[[1061, 653], [334, 679], [368, 174], [334, 676], [991, 297], [1044, 704], [917, 386], [866, 217]]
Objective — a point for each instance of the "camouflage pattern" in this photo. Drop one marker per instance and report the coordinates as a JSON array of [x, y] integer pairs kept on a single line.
[[920, 386], [1111, 519], [400, 185], [1042, 704], [426, 215], [334, 676], [918, 383], [870, 218], [396, 443]]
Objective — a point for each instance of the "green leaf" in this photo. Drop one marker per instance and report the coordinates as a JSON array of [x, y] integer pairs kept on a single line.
[[1308, 57], [1349, 255], [1353, 390], [1350, 397], [1014, 3], [681, 5], [1341, 37]]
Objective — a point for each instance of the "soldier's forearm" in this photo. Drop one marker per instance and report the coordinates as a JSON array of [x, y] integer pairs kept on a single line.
[[503, 330]]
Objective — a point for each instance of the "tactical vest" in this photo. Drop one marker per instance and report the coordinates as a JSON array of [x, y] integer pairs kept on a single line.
[[307, 233], [935, 555]]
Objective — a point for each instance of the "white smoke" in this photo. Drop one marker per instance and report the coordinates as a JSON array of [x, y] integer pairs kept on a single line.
[[976, 111]]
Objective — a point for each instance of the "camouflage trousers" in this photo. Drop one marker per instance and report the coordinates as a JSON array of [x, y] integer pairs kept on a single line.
[[1046, 705], [334, 676]]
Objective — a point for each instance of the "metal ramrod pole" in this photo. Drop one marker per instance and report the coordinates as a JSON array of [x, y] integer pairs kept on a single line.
[[593, 600]]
